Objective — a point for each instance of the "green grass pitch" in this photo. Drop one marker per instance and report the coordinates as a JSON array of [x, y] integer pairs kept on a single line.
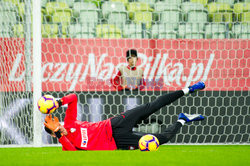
[[204, 155]]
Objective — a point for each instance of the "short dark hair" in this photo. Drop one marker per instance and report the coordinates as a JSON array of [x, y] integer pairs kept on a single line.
[[131, 52], [47, 130]]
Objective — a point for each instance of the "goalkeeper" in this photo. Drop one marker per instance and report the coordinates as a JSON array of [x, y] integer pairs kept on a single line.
[[116, 132]]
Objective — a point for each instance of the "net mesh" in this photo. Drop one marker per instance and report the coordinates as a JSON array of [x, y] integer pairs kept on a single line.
[[85, 42]]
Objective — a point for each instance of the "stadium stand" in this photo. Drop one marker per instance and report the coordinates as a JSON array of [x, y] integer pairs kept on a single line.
[[134, 19]]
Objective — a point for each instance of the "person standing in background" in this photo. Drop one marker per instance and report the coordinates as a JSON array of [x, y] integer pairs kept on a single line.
[[129, 77]]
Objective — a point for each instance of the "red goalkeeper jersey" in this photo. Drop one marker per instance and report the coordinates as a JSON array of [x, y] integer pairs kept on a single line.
[[85, 135]]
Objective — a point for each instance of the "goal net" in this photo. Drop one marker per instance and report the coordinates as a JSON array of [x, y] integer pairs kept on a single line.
[[82, 49]]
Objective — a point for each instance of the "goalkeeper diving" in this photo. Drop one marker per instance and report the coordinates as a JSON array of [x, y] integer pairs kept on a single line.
[[115, 132]]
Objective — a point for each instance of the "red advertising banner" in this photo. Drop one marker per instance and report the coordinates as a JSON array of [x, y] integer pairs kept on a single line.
[[89, 64]]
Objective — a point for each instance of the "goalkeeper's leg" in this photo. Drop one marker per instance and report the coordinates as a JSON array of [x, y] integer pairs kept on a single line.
[[130, 140], [125, 121]]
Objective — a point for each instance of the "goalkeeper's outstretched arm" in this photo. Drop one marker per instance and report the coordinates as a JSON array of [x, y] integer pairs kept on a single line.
[[55, 129]]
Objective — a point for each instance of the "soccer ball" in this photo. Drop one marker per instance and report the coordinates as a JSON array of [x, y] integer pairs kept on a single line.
[[148, 143], [47, 104]]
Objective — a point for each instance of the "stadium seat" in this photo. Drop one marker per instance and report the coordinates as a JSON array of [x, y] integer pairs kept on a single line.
[[5, 30], [108, 31], [220, 12], [8, 13], [86, 11], [63, 30], [58, 12], [140, 13], [230, 2], [241, 31], [177, 2], [125, 2], [203, 2], [82, 31], [43, 3], [115, 13], [83, 6], [190, 31], [215, 31], [194, 13], [166, 31], [49, 30], [135, 31], [96, 2], [242, 12], [143, 17], [132, 31], [18, 30], [68, 2], [167, 13], [150, 2], [21, 9], [138, 7]]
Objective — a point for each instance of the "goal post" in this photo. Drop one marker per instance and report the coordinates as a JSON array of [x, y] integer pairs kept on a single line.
[[37, 77]]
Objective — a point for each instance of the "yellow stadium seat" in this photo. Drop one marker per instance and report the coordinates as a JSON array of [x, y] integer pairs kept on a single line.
[[143, 17], [220, 12], [58, 12], [203, 2], [18, 30], [219, 7], [241, 7], [49, 30], [108, 31], [138, 7], [242, 12], [245, 17]]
